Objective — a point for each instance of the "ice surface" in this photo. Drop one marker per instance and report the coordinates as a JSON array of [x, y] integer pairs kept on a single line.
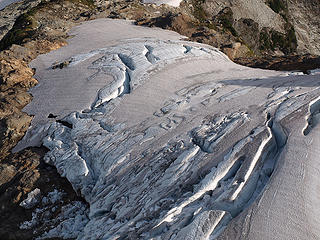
[[174, 3], [175, 140], [53, 197], [32, 200], [59, 219], [73, 218], [314, 115]]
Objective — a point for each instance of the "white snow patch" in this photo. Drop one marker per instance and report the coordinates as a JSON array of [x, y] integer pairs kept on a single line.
[[174, 3], [32, 200]]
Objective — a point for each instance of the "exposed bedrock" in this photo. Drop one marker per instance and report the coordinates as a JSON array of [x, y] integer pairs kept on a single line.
[[303, 14], [270, 27]]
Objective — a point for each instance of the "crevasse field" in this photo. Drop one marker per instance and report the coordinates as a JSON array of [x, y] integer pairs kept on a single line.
[[169, 139]]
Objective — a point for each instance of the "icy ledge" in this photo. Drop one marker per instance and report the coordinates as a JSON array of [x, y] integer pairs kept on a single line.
[[313, 117]]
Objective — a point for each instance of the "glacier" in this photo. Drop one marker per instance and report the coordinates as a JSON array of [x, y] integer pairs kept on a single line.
[[169, 139]]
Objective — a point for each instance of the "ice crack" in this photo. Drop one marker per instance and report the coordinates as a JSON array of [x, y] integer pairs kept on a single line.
[[313, 117], [150, 56]]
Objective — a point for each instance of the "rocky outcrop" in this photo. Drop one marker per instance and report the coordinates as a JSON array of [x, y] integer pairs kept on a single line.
[[256, 23], [304, 15], [266, 27], [9, 15], [16, 79], [284, 63], [257, 10]]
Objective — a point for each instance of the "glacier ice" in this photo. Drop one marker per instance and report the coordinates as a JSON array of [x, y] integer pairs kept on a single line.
[[178, 141]]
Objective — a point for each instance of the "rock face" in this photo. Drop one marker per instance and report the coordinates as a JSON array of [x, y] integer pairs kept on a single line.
[[259, 26], [288, 26], [302, 63], [180, 142], [256, 10], [305, 18], [9, 15]]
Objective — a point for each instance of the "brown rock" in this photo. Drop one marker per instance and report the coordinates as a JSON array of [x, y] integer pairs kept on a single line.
[[236, 50], [7, 172], [12, 129]]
